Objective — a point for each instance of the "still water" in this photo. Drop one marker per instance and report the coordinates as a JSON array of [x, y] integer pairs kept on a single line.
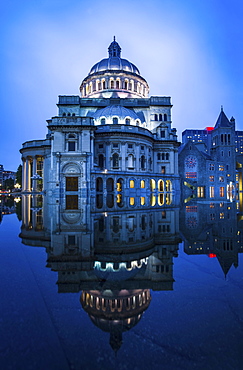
[[84, 287]]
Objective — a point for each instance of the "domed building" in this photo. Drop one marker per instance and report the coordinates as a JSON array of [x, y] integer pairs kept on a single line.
[[113, 137]]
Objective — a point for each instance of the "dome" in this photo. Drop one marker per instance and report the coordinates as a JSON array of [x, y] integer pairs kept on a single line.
[[114, 62], [114, 77]]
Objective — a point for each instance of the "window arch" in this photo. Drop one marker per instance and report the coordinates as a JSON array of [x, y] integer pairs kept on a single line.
[[71, 136], [142, 184], [160, 117], [167, 156], [132, 184], [115, 160], [117, 84], [103, 121], [161, 185], [103, 85], [99, 184], [127, 121], [125, 85], [115, 120], [156, 117], [112, 84], [168, 185], [165, 117], [64, 114]]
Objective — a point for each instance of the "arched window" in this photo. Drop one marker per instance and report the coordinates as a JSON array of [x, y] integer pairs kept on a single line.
[[73, 115], [71, 136], [115, 120], [69, 114], [99, 184], [117, 84], [102, 121], [115, 160], [158, 156], [167, 156], [165, 117], [160, 117], [64, 114], [112, 84], [137, 123], [101, 161], [132, 184], [99, 85], [103, 85], [156, 117], [163, 156], [161, 185], [130, 161], [110, 184], [143, 162], [142, 184], [128, 121], [125, 85]]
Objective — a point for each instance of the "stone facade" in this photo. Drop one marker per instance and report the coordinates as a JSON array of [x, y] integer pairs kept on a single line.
[[114, 138]]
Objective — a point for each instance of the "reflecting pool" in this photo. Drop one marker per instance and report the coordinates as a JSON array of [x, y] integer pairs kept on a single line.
[[88, 284]]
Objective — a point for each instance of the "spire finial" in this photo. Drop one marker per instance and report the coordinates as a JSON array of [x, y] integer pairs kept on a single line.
[[114, 38], [222, 108]]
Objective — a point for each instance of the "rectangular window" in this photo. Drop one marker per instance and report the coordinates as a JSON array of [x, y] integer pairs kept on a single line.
[[100, 146], [130, 146], [211, 178], [115, 145], [191, 208], [221, 178], [221, 167], [142, 147], [211, 191], [211, 167], [191, 175], [163, 170], [200, 192], [71, 146], [221, 191], [162, 133], [71, 201], [71, 239], [71, 183]]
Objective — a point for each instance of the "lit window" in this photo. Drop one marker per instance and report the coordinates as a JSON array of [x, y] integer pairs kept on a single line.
[[221, 178], [200, 191], [221, 191], [211, 167], [221, 167], [142, 184], [132, 201], [211, 191], [191, 175], [132, 184], [211, 178], [221, 215], [142, 201]]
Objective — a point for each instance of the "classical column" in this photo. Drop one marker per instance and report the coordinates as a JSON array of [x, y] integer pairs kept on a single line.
[[24, 174], [27, 174], [34, 182]]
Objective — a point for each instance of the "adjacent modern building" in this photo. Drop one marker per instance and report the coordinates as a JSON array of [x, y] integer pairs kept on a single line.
[[113, 137]]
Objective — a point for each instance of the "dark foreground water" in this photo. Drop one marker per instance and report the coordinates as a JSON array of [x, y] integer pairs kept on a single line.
[[194, 319]]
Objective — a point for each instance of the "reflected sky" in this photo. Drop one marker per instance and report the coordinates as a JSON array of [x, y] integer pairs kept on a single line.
[[103, 284]]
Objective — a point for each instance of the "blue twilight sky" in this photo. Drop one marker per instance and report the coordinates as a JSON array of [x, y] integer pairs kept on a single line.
[[191, 50]]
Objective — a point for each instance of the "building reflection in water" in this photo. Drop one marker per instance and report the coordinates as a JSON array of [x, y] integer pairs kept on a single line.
[[116, 257]]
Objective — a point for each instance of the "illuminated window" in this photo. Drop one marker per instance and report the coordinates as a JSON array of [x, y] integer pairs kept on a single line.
[[132, 201], [221, 178], [191, 175], [221, 215], [221, 167], [211, 167], [211, 178], [221, 191], [142, 201], [152, 200], [163, 169], [200, 191], [211, 191], [132, 184], [71, 183], [142, 184], [161, 199]]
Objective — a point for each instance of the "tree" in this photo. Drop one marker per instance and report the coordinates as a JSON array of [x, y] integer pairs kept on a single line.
[[9, 184], [19, 175]]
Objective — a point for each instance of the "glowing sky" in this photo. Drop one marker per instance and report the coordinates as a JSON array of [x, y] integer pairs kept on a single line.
[[191, 50]]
